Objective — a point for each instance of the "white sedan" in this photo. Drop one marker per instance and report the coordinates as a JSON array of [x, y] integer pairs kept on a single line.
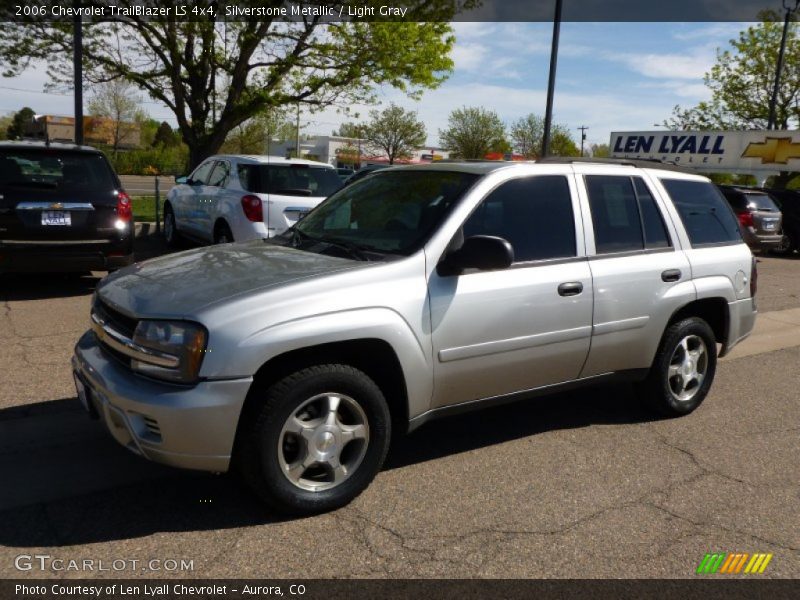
[[232, 197]]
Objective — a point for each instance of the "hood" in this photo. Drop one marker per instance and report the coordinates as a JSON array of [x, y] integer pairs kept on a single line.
[[180, 284]]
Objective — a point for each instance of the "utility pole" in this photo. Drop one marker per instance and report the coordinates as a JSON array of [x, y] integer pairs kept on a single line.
[[297, 142], [774, 98], [583, 129], [77, 67], [551, 81]]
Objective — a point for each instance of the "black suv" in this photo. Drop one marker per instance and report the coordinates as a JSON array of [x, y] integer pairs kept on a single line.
[[759, 216], [62, 208]]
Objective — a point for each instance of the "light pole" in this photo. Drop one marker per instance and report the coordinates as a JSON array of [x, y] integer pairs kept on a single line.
[[787, 5], [551, 81], [77, 69]]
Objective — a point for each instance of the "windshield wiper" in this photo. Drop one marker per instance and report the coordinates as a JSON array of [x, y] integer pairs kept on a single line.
[[353, 249]]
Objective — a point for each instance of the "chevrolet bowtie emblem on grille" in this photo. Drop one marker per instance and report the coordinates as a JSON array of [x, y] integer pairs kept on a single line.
[[56, 206], [773, 150]]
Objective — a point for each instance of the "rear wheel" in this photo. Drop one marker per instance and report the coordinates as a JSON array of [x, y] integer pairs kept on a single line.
[[222, 233], [684, 368], [787, 246], [316, 440], [171, 234]]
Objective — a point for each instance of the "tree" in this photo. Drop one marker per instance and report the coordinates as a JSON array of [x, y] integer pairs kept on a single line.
[[473, 132], [527, 134], [256, 135], [5, 123], [600, 150], [164, 136], [741, 84], [16, 130], [395, 131], [118, 107], [216, 75], [350, 130]]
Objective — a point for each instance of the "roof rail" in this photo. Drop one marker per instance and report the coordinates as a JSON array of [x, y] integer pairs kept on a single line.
[[642, 163]]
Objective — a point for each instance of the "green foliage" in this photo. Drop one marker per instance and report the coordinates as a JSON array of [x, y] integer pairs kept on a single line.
[[152, 161], [259, 134], [164, 136], [216, 76], [116, 102], [350, 130], [5, 122], [600, 150], [742, 80], [395, 131], [16, 129], [527, 134], [473, 132]]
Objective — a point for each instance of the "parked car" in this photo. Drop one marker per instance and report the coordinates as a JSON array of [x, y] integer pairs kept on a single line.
[[789, 203], [416, 293], [62, 208], [344, 173], [237, 198], [363, 172], [759, 216]]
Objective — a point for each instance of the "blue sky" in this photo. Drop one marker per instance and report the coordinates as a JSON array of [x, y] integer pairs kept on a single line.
[[611, 76]]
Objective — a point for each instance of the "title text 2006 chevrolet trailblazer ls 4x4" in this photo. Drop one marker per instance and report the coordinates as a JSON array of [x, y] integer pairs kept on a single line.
[[413, 293]]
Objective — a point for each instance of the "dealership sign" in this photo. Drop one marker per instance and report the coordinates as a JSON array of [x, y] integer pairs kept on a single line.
[[745, 151]]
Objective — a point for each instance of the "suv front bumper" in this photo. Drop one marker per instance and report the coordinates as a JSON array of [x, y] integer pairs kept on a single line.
[[182, 426]]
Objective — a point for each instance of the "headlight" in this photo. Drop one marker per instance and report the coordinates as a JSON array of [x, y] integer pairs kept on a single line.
[[177, 348]]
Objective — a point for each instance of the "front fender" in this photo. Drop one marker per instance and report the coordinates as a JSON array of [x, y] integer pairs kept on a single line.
[[367, 323]]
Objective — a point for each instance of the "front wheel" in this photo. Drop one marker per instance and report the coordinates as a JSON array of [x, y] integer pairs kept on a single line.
[[316, 440], [683, 370]]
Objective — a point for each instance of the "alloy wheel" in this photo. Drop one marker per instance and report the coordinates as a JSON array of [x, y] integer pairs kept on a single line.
[[323, 442], [687, 368]]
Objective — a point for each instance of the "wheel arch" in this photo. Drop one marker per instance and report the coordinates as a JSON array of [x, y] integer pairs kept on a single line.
[[373, 356], [714, 311]]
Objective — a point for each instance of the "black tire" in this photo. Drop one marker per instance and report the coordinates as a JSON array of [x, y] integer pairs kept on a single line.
[[787, 247], [222, 233], [259, 456], [171, 235], [659, 389]]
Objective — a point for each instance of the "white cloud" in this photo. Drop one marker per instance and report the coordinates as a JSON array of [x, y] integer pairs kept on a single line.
[[692, 64]]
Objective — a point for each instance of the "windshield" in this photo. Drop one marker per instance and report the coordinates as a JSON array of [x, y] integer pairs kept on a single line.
[[289, 180], [391, 212], [760, 202], [55, 169]]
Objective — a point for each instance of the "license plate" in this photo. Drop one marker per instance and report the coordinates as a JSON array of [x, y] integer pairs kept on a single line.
[[83, 393], [770, 225], [56, 217]]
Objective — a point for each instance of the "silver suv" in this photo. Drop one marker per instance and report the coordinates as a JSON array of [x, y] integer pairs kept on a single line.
[[415, 293]]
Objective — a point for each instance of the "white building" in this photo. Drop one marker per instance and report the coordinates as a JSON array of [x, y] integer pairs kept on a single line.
[[349, 152]]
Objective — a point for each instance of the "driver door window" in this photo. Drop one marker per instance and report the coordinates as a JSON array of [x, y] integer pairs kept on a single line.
[[533, 213]]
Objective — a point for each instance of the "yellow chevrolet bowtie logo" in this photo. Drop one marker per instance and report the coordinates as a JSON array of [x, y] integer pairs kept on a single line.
[[773, 150]]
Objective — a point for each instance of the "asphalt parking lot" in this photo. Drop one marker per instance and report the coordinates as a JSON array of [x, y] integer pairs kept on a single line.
[[585, 484]]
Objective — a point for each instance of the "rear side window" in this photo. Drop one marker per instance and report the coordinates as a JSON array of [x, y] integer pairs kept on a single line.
[[60, 170], [706, 215], [533, 213], [290, 180], [655, 232]]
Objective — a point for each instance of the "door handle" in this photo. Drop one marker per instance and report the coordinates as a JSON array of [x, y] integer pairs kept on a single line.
[[571, 288], [671, 275]]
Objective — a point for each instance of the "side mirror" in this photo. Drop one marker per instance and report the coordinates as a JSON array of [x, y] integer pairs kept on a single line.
[[482, 252], [182, 179]]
